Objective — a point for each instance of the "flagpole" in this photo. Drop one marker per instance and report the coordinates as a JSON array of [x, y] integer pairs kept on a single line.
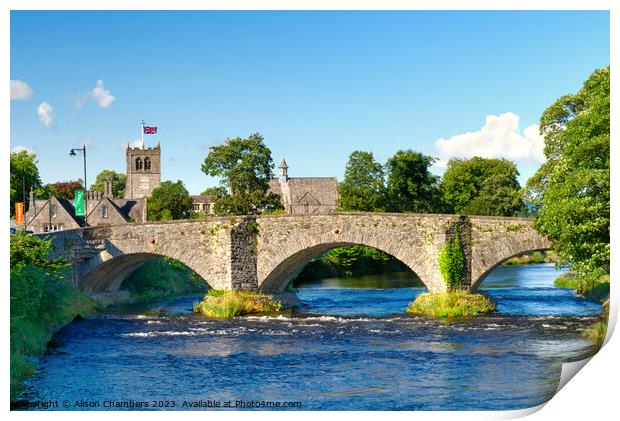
[[142, 133]]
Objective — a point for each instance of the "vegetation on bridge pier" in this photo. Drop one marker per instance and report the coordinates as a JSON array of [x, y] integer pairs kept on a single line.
[[450, 305], [221, 304]]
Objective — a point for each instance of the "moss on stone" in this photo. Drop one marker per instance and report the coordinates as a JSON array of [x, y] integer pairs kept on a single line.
[[451, 304]]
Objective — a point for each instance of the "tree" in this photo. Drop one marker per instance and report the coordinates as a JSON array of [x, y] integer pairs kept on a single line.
[[217, 192], [169, 201], [410, 186], [60, 189], [118, 182], [482, 186], [572, 188], [363, 186], [24, 176], [245, 168]]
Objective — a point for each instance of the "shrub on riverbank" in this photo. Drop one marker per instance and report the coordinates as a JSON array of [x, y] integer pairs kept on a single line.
[[450, 304], [221, 304], [548, 256], [593, 288], [598, 329], [41, 303], [162, 278]]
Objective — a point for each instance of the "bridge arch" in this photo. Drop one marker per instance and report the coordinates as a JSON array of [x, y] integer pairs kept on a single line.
[[109, 274], [491, 267], [286, 270]]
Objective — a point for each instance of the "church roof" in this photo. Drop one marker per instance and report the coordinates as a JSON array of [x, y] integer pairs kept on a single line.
[[323, 190]]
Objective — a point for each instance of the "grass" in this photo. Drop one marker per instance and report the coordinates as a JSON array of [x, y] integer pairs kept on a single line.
[[593, 289], [223, 304], [598, 329], [451, 305]]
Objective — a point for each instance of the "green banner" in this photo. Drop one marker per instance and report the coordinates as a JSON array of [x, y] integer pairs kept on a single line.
[[79, 203]]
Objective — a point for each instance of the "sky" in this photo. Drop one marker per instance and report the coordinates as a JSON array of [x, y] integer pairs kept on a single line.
[[316, 85]]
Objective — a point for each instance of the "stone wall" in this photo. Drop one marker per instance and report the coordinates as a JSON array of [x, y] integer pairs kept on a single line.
[[266, 253]]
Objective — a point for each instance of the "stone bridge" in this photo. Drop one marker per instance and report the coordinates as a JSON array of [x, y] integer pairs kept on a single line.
[[265, 253]]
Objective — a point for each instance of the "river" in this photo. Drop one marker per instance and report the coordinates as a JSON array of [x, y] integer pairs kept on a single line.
[[349, 347]]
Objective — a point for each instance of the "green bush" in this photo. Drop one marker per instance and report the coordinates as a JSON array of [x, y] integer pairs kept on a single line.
[[41, 303], [452, 262], [450, 304]]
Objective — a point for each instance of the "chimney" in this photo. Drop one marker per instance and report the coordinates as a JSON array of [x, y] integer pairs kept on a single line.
[[32, 207], [107, 189]]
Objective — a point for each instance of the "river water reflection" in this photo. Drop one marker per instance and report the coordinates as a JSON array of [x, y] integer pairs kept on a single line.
[[349, 346]]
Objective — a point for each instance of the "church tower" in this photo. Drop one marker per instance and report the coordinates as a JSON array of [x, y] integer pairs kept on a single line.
[[143, 171]]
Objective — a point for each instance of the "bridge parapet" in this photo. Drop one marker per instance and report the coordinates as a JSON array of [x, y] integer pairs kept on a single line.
[[267, 252]]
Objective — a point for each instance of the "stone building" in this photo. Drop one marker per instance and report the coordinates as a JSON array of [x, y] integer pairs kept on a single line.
[[305, 194], [203, 203], [297, 194], [143, 171], [56, 214], [143, 175]]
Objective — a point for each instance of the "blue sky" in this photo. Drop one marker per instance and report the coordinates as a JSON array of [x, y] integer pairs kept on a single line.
[[316, 85]]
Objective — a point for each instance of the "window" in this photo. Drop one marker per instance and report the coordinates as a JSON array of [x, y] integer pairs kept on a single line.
[[208, 207], [196, 206], [53, 211], [104, 211], [138, 164], [147, 163]]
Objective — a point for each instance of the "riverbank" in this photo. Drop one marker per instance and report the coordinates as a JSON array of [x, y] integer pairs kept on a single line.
[[41, 304], [592, 289], [162, 278], [535, 257], [350, 261]]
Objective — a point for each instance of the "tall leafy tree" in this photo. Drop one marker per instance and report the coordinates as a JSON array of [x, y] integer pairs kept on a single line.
[[572, 188], [24, 176], [169, 201], [482, 186], [60, 189], [245, 167], [216, 192], [410, 185], [118, 182], [363, 187]]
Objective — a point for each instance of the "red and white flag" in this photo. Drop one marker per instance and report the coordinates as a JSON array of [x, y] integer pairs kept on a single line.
[[150, 130]]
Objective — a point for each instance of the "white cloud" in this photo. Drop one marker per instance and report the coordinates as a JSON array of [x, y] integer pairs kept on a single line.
[[45, 112], [103, 96], [500, 137], [20, 148], [20, 90]]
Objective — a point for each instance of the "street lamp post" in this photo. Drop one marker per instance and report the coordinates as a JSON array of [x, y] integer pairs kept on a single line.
[[72, 153]]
